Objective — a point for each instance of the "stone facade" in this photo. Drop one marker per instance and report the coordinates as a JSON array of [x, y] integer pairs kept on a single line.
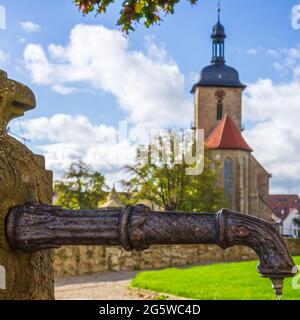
[[205, 107], [78, 260], [23, 178], [250, 182]]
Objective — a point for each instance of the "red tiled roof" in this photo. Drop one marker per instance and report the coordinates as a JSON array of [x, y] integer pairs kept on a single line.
[[281, 204], [226, 135]]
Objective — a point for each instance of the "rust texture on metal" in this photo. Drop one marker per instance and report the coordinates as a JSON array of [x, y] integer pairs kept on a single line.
[[34, 227]]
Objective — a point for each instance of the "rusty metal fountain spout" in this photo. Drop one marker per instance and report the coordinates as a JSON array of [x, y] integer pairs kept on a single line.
[[35, 227]]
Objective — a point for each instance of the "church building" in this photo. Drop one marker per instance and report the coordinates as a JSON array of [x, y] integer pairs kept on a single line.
[[218, 110]]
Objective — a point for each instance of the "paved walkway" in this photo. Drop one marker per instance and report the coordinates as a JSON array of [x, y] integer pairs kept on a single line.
[[102, 286]]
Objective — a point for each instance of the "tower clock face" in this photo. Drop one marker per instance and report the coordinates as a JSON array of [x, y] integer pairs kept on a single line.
[[220, 95]]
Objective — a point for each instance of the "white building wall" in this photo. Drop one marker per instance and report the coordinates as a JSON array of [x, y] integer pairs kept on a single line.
[[289, 227]]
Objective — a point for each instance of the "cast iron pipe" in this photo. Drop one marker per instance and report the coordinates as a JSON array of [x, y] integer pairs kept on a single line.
[[34, 227]]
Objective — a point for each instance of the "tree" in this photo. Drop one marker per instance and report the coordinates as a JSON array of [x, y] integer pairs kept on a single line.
[[81, 188], [169, 187], [133, 11]]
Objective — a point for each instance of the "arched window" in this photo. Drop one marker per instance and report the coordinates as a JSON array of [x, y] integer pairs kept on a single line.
[[219, 110], [228, 180]]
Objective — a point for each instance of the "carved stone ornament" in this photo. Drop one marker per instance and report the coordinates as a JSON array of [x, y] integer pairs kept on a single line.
[[220, 95], [23, 178]]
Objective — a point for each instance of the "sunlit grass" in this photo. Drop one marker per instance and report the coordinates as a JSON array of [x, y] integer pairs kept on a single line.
[[224, 281]]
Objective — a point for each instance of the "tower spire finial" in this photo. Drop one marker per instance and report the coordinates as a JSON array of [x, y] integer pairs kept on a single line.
[[218, 36], [219, 10]]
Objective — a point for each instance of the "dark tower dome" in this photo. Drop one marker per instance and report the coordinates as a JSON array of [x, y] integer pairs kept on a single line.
[[218, 74], [218, 31]]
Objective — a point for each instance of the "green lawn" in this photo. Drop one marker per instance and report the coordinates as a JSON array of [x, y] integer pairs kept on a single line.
[[214, 282]]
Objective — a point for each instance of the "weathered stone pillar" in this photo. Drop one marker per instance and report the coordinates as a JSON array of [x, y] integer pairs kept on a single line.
[[23, 178]]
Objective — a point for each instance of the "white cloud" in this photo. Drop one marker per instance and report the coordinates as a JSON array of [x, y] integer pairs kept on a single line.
[[293, 53], [62, 128], [37, 64], [63, 139], [57, 52], [275, 138], [261, 50], [286, 60], [272, 53], [252, 51], [149, 86], [4, 56], [63, 90], [30, 27]]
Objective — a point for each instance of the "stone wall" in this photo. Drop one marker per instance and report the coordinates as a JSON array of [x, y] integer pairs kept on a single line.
[[77, 260], [206, 107]]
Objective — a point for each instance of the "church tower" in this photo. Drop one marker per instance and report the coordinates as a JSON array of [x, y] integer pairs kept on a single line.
[[219, 90], [218, 110]]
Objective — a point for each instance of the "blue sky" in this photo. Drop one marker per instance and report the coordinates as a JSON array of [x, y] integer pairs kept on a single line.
[[260, 44]]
